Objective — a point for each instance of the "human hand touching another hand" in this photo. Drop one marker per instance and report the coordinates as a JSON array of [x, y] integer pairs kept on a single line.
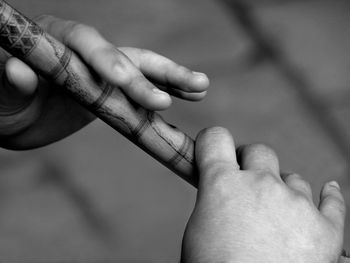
[[34, 112], [248, 213]]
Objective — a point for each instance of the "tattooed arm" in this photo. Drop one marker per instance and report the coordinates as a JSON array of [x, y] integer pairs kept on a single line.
[[35, 113]]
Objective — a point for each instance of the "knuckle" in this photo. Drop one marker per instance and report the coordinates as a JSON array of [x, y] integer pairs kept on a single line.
[[219, 183], [139, 55], [267, 186], [75, 29], [120, 66], [262, 149], [70, 31], [216, 168], [299, 182], [266, 177], [306, 185], [120, 62], [105, 52], [125, 80]]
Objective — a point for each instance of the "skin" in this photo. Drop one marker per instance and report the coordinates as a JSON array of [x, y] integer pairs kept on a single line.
[[233, 202], [28, 119], [246, 212]]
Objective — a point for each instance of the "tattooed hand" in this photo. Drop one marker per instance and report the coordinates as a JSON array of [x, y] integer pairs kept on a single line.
[[250, 214], [34, 113]]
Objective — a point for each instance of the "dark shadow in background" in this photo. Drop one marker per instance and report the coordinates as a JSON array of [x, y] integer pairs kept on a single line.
[[267, 49]]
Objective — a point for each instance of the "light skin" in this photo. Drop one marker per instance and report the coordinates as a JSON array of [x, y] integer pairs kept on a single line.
[[28, 118], [242, 214], [246, 212]]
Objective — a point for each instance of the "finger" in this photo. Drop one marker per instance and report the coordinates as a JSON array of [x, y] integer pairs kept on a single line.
[[19, 82], [22, 78], [166, 72], [190, 96], [332, 204], [296, 183], [259, 157], [111, 64], [215, 152]]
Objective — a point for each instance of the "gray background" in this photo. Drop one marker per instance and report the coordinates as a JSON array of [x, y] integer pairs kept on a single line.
[[95, 197]]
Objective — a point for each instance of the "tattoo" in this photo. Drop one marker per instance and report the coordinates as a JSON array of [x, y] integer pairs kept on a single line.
[[107, 91], [149, 122], [64, 60], [27, 41], [143, 125], [18, 35], [181, 153]]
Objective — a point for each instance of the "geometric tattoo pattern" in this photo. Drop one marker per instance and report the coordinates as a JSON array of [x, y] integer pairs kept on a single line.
[[18, 35]]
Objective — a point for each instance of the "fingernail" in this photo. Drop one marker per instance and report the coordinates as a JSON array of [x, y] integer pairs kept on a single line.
[[199, 74], [334, 184], [158, 91]]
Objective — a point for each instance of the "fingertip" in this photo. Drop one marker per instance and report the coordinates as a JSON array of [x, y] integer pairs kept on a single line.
[[334, 184], [330, 189], [21, 77], [189, 81], [332, 203], [331, 193], [208, 134], [159, 101], [200, 81]]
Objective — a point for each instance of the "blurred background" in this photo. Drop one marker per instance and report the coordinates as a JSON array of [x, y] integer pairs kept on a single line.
[[279, 74]]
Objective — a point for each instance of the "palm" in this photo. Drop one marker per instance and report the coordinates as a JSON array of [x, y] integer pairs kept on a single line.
[[50, 116]]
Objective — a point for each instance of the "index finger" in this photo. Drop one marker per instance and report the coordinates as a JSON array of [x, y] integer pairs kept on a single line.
[[110, 64], [215, 152]]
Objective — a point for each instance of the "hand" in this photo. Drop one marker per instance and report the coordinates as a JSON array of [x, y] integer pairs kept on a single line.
[[34, 112], [250, 214]]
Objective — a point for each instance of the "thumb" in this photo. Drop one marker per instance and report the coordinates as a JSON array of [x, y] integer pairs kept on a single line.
[[19, 82], [332, 204]]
